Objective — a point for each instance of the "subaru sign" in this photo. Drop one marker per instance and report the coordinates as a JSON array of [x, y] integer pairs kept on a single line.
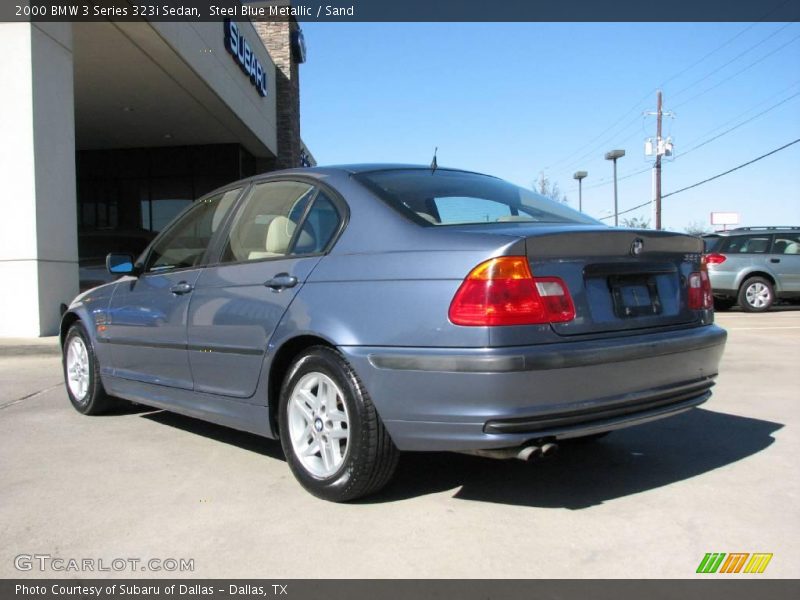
[[242, 53]]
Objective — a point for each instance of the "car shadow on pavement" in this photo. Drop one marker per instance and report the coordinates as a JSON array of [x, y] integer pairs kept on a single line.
[[581, 475], [587, 473], [783, 307], [219, 433]]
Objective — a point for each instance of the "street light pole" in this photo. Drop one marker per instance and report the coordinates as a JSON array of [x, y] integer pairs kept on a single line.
[[613, 155], [580, 175]]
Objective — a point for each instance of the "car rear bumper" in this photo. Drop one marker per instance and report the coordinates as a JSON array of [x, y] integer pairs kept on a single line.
[[723, 281], [465, 399]]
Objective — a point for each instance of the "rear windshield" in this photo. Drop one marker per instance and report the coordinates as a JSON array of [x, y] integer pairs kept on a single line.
[[457, 198]]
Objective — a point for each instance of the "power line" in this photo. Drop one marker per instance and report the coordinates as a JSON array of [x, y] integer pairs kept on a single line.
[[699, 183], [602, 133], [627, 210], [675, 76], [595, 148], [649, 93], [608, 180], [748, 110], [739, 72], [749, 162], [734, 59], [743, 123], [714, 51]]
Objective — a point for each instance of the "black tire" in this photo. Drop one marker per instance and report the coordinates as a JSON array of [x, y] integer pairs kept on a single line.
[[756, 295], [369, 458], [723, 304], [94, 401]]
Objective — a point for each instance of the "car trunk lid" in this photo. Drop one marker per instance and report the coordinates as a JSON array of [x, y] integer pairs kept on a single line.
[[619, 279]]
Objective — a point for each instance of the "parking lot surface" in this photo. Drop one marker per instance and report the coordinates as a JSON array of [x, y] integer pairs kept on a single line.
[[649, 501]]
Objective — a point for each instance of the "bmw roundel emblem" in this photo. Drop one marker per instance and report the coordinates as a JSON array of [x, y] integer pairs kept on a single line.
[[637, 246]]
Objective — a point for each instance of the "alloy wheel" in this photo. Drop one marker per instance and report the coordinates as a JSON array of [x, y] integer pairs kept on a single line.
[[319, 425], [78, 369], [758, 295]]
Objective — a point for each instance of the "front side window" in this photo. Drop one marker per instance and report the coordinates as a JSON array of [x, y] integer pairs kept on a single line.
[[445, 197], [184, 244], [786, 243], [266, 224]]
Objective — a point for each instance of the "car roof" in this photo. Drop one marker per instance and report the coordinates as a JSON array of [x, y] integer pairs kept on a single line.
[[357, 168], [751, 230]]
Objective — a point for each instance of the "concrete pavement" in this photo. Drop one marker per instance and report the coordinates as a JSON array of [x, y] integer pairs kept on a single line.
[[645, 502]]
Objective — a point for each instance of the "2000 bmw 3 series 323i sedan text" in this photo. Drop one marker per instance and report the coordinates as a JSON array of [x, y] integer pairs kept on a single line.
[[355, 312]]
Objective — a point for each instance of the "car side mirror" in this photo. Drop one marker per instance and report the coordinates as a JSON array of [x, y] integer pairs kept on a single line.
[[120, 264]]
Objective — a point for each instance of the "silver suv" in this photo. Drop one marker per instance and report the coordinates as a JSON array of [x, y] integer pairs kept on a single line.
[[752, 266]]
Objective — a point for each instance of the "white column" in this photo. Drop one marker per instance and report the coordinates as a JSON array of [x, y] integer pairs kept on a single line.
[[38, 228]]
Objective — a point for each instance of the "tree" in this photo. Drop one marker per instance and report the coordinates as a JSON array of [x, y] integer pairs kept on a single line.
[[697, 228], [549, 189], [636, 223]]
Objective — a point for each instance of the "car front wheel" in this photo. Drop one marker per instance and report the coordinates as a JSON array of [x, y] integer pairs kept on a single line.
[[756, 295], [333, 439], [82, 374]]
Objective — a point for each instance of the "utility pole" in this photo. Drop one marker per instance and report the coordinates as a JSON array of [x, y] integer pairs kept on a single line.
[[659, 113], [660, 148]]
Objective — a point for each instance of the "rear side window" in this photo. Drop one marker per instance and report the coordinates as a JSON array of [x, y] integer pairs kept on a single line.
[[712, 243], [265, 225], [447, 197], [746, 244], [319, 227]]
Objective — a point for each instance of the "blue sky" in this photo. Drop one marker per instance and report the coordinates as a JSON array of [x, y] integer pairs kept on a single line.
[[515, 99]]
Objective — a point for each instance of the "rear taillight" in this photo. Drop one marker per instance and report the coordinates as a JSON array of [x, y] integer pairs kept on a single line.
[[503, 291], [700, 296], [714, 259]]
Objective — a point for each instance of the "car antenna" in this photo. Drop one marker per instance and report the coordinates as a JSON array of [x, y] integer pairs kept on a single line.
[[434, 164]]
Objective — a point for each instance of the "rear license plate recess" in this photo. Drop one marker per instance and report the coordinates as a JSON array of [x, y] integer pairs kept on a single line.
[[634, 295]]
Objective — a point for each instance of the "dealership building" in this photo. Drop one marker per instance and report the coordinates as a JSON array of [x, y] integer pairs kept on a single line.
[[109, 129]]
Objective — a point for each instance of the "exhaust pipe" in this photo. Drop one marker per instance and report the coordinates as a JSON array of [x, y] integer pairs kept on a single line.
[[527, 453], [549, 449]]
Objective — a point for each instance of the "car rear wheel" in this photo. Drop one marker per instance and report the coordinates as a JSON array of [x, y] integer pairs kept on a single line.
[[82, 374], [756, 295], [332, 436]]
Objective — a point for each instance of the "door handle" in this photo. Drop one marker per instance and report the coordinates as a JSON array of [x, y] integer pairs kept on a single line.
[[281, 281], [181, 288], [774, 260]]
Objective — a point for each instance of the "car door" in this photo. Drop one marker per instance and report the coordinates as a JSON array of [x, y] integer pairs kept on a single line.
[[148, 313], [785, 261], [276, 238]]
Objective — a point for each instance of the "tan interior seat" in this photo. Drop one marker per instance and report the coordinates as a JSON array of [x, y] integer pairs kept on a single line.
[[279, 235]]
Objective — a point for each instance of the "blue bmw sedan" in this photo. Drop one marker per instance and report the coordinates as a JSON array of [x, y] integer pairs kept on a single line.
[[355, 312]]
